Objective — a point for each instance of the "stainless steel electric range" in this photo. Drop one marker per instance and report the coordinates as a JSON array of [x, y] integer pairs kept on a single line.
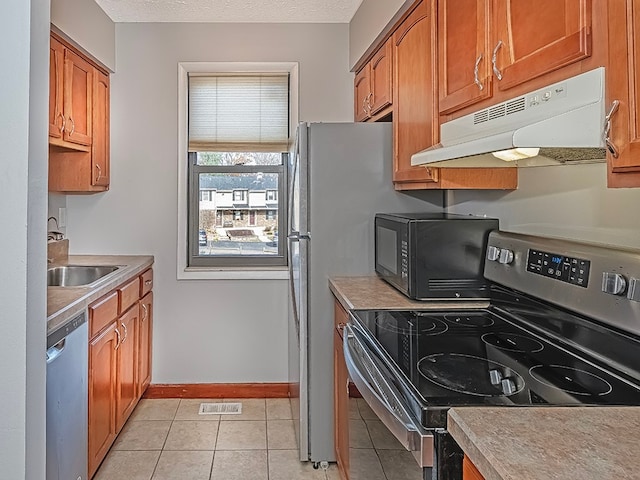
[[562, 328]]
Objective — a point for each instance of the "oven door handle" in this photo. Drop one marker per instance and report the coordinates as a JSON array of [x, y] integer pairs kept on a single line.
[[383, 399]]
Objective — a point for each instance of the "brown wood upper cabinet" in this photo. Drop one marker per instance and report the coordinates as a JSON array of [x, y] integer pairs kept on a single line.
[[489, 46], [70, 97], [373, 85], [78, 121], [623, 89], [415, 114]]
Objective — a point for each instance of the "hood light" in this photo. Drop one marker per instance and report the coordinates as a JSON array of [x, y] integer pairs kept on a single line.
[[516, 154]]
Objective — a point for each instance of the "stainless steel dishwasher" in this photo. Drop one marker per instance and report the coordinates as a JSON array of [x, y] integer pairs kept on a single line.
[[67, 401]]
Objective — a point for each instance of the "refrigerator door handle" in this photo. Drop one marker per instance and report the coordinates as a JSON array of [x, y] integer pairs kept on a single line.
[[297, 236]]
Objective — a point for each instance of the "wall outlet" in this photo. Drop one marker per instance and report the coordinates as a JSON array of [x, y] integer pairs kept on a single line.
[[62, 217]]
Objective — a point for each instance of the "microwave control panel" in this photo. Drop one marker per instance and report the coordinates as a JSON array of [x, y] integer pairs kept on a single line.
[[566, 269], [404, 258]]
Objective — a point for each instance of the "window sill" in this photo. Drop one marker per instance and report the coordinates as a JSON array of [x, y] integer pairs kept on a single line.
[[208, 273]]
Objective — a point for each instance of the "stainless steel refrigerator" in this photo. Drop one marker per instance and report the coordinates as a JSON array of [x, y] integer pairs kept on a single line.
[[340, 176]]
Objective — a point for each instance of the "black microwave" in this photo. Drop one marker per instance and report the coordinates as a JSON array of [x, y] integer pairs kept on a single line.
[[433, 255]]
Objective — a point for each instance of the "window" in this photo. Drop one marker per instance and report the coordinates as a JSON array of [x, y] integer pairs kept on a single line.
[[240, 196], [238, 137], [207, 195]]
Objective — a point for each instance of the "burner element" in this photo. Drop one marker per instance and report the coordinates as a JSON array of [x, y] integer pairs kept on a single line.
[[415, 326], [512, 342], [470, 375], [570, 380], [469, 319]]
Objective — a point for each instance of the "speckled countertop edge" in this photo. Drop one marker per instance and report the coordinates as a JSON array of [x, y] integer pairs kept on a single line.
[[369, 292], [541, 443], [64, 303]]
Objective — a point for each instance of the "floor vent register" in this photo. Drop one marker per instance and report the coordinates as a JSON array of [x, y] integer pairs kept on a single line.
[[220, 409]]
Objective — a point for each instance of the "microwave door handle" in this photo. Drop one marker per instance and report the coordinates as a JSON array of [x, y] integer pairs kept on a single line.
[[409, 433]]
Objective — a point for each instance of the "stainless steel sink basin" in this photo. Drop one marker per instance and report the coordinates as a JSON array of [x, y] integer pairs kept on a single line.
[[77, 275]]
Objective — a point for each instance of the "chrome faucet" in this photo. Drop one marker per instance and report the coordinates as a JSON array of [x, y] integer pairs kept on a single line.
[[54, 234]]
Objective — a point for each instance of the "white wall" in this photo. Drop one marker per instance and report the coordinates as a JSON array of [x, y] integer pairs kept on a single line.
[[563, 201], [23, 135], [88, 26], [371, 20], [205, 331]]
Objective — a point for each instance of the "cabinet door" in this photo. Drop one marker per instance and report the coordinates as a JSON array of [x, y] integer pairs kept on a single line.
[[78, 85], [100, 131], [144, 350], [102, 395], [415, 94], [362, 94], [381, 78], [623, 85], [56, 73], [127, 367], [340, 392], [539, 37], [469, 470], [463, 52]]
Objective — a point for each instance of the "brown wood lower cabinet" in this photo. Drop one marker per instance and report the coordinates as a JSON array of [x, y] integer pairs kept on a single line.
[[127, 363], [144, 352], [340, 394], [469, 470], [102, 395], [119, 362]]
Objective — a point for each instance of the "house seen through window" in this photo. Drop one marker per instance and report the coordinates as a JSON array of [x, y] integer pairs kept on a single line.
[[238, 139]]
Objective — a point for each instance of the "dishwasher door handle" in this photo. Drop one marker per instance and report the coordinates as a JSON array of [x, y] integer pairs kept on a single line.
[[56, 350]]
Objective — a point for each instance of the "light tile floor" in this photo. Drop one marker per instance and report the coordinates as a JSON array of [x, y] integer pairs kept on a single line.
[[166, 439], [374, 453]]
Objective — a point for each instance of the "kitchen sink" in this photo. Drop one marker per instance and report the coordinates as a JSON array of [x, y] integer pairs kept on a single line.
[[78, 275]]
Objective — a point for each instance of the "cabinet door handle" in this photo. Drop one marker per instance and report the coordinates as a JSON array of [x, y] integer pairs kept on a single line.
[[73, 126], [126, 333], [148, 282], [118, 339], [144, 312], [98, 172], [613, 150], [475, 73], [368, 100], [494, 60], [64, 122], [364, 105]]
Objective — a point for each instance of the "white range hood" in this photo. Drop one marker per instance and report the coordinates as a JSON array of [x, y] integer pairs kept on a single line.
[[564, 120]]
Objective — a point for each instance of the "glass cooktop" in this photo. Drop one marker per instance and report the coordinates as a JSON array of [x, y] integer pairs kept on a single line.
[[481, 357]]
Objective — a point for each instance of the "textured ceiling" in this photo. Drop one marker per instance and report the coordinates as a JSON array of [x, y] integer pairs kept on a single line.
[[235, 11]]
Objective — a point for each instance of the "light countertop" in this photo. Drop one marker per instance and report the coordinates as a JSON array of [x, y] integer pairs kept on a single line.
[[369, 292], [542, 443], [64, 303]]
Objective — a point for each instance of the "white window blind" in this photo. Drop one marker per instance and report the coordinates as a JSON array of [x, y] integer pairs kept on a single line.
[[238, 113]]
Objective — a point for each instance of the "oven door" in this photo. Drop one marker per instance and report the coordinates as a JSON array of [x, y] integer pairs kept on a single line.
[[371, 377]]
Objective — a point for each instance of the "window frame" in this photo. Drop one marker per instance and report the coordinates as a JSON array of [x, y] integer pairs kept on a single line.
[[233, 272], [263, 260]]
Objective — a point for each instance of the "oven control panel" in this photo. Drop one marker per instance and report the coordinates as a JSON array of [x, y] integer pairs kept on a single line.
[[596, 280], [563, 268]]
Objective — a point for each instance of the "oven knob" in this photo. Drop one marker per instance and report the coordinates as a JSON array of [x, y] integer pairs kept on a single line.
[[493, 253], [508, 386], [495, 376], [613, 283], [634, 290], [506, 256]]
